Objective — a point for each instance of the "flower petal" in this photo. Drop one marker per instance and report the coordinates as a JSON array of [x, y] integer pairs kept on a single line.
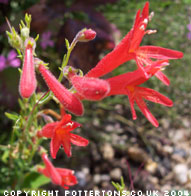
[[51, 170], [119, 83], [146, 111], [64, 171], [65, 119], [69, 180], [163, 78], [189, 35], [189, 27], [70, 126], [145, 12], [67, 124], [137, 19], [66, 143], [132, 101], [68, 177], [78, 140], [75, 125], [139, 28], [141, 67], [156, 66], [43, 171], [12, 55], [154, 96], [54, 146], [112, 60], [159, 52], [47, 130], [15, 63]]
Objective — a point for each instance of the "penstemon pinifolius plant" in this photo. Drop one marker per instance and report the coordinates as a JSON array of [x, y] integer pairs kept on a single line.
[[27, 134]]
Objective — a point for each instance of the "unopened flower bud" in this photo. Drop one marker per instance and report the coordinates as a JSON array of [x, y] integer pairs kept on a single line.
[[69, 100], [28, 82], [15, 40], [90, 88], [89, 34], [25, 32], [86, 35]]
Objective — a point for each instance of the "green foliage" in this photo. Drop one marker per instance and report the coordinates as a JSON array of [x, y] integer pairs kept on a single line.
[[34, 180], [12, 116], [119, 187]]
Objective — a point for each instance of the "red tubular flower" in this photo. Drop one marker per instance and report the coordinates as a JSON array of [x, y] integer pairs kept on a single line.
[[28, 82], [136, 77], [127, 84], [60, 134], [69, 100], [129, 48], [90, 88], [59, 176]]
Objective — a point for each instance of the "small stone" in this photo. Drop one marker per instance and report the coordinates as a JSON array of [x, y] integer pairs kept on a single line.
[[186, 122], [177, 158], [116, 174], [86, 170], [105, 177], [107, 151], [137, 154], [162, 171], [81, 178], [165, 123], [168, 149], [181, 173], [178, 136], [109, 128], [97, 179], [96, 188], [105, 184], [166, 162], [95, 153], [119, 108], [189, 175], [96, 122], [151, 166], [154, 180], [180, 152], [165, 188]]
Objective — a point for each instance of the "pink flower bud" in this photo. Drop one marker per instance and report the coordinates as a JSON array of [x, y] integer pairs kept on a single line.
[[89, 34], [28, 82], [85, 35], [90, 88], [69, 100]]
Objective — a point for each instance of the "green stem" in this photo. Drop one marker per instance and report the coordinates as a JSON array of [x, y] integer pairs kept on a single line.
[[64, 63], [66, 59]]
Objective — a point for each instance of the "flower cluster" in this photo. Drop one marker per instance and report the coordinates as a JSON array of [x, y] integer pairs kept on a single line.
[[150, 61], [128, 84]]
